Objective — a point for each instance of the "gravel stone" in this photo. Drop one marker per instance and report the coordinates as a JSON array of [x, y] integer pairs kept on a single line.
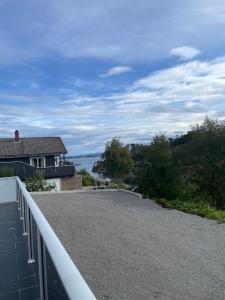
[[131, 248]]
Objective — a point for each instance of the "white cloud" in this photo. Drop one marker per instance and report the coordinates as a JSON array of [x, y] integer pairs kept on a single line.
[[89, 29], [185, 53], [196, 80], [215, 11], [116, 70], [83, 111], [82, 128], [169, 100]]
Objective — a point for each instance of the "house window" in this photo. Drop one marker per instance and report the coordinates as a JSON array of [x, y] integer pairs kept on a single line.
[[38, 162]]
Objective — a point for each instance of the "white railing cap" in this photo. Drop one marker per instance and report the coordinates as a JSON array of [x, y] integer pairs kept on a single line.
[[73, 282]]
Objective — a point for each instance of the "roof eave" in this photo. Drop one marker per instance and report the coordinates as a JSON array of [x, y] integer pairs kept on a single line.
[[34, 154]]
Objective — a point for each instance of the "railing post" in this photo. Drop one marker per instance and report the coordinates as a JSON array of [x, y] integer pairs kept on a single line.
[[22, 207], [17, 192], [20, 204], [18, 196], [24, 213], [42, 267], [30, 237]]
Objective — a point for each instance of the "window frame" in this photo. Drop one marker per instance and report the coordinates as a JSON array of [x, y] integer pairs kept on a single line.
[[38, 162]]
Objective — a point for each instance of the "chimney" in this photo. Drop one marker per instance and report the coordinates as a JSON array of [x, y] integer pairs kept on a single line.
[[17, 136]]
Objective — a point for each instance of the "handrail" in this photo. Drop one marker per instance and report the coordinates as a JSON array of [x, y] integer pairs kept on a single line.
[[15, 161], [26, 164], [23, 170], [73, 282]]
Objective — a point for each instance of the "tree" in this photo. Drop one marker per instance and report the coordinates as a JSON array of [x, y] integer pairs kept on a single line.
[[203, 158], [159, 176], [117, 159]]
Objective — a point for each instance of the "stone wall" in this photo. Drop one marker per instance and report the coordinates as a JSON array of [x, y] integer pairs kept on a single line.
[[71, 183]]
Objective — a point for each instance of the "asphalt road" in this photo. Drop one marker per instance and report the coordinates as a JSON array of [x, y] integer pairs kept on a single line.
[[131, 248]]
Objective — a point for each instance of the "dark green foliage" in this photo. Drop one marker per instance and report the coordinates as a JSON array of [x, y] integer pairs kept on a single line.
[[38, 184], [6, 172], [203, 159], [188, 170], [200, 208], [180, 140], [99, 167], [117, 159], [86, 177], [160, 174], [137, 151]]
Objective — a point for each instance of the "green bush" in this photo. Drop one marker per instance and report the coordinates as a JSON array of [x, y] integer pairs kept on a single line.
[[118, 184], [117, 159], [159, 174], [190, 167], [6, 172], [201, 153], [38, 184], [196, 206], [87, 180]]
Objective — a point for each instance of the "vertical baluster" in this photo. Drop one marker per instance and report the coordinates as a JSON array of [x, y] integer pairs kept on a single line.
[[20, 204], [17, 192], [24, 205], [30, 236], [42, 267], [18, 196]]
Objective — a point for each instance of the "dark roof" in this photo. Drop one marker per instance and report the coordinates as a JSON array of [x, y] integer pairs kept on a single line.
[[31, 146]]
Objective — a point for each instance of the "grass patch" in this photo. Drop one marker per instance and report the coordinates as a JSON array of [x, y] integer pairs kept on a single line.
[[197, 208]]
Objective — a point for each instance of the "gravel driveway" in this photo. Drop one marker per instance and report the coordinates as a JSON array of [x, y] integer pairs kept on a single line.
[[131, 248]]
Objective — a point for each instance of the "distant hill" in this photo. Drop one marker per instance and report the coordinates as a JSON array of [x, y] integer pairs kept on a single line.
[[84, 155]]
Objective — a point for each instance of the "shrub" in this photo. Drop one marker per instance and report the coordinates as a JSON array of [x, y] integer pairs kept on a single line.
[[200, 208], [86, 177], [160, 174], [6, 172], [38, 184], [117, 159]]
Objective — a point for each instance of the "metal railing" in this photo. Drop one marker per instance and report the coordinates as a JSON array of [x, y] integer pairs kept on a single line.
[[54, 172], [75, 286], [24, 170]]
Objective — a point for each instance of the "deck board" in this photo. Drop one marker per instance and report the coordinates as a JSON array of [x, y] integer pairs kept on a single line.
[[18, 279]]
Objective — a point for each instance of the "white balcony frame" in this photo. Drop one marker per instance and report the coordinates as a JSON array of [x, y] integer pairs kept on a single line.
[[75, 286]]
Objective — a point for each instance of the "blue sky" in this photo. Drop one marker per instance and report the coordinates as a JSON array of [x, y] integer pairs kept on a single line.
[[91, 70]]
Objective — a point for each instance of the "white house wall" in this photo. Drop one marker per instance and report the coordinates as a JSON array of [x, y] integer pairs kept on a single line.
[[56, 181], [7, 189]]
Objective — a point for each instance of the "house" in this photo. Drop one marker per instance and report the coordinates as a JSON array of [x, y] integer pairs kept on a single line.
[[39, 152], [28, 156]]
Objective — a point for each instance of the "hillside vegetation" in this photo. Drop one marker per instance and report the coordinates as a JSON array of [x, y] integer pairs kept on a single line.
[[186, 172]]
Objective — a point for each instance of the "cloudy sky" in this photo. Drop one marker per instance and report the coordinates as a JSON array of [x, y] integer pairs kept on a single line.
[[89, 70]]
